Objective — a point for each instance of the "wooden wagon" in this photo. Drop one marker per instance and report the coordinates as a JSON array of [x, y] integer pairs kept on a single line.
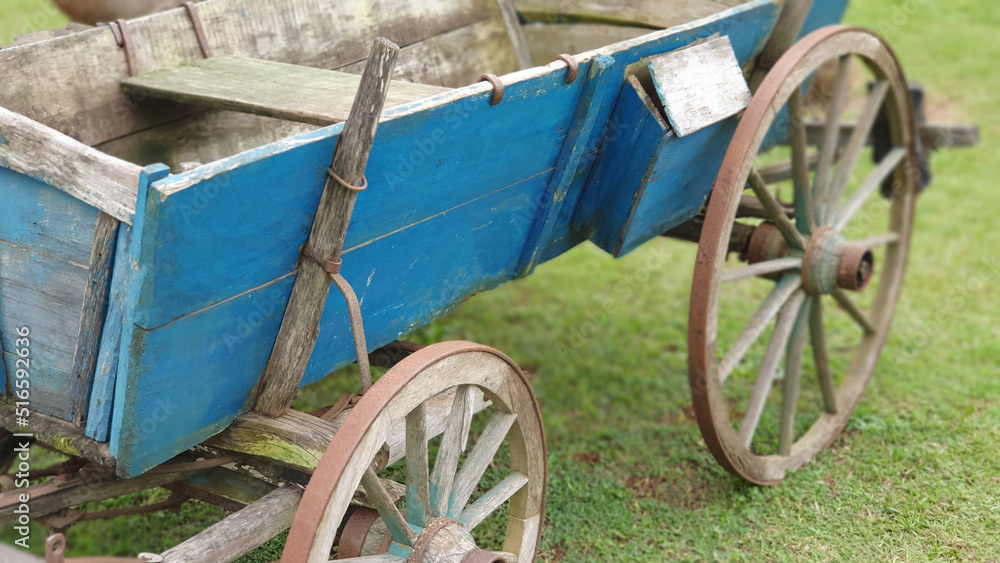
[[178, 255]]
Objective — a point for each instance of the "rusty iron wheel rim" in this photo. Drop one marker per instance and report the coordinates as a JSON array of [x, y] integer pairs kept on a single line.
[[428, 374], [732, 448]]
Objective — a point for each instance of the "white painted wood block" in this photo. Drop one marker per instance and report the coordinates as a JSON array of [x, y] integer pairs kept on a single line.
[[700, 85]]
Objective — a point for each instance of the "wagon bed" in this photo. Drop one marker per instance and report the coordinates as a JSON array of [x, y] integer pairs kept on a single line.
[[162, 222]]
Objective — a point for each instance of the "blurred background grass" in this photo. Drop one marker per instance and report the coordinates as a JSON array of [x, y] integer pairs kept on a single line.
[[916, 475]]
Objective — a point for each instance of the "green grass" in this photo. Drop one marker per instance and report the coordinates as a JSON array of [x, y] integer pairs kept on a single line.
[[916, 475]]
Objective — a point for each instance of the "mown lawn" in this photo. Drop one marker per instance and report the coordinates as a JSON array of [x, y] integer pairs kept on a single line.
[[916, 476]]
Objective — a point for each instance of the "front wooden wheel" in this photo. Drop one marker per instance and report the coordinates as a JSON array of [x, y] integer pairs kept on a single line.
[[810, 262], [437, 389]]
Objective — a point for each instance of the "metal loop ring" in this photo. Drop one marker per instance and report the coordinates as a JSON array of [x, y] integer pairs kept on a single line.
[[333, 176], [199, 30], [498, 87], [329, 266], [123, 37], [574, 67]]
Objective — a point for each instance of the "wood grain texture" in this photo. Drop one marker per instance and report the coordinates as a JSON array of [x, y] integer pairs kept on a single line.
[[300, 324], [48, 263], [290, 92], [647, 182], [95, 304], [653, 14], [575, 159], [452, 59], [62, 435], [700, 86], [546, 41], [92, 108], [439, 208], [92, 177], [241, 532], [517, 41]]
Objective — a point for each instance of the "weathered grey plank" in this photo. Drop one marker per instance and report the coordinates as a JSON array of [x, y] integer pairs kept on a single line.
[[63, 436], [95, 305], [513, 24], [546, 41], [700, 85], [241, 532], [649, 13], [95, 178], [453, 59], [294, 93], [300, 324], [72, 83]]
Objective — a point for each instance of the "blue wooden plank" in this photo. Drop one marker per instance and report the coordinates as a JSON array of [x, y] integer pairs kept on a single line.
[[198, 373], [620, 176], [123, 426], [37, 216], [45, 294], [574, 160], [216, 248], [45, 248], [421, 164], [49, 386], [102, 391], [678, 183], [748, 27]]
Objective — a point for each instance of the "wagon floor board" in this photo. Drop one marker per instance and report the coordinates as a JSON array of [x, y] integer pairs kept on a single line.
[[295, 93]]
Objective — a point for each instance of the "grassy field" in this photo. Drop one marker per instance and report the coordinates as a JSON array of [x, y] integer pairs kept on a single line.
[[916, 475]]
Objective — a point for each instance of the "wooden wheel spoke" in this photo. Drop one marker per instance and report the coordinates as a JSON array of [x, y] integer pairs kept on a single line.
[[817, 333], [869, 187], [383, 558], [479, 460], [855, 312], [793, 373], [784, 171], [879, 240], [765, 378], [831, 136], [393, 518], [456, 434], [859, 139], [776, 211], [780, 295], [418, 502], [492, 500], [802, 164], [769, 267]]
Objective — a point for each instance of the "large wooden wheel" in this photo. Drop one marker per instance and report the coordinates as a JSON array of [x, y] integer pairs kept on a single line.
[[810, 262], [443, 505]]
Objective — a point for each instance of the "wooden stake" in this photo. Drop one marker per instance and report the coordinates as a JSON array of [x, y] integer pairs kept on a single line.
[[300, 326]]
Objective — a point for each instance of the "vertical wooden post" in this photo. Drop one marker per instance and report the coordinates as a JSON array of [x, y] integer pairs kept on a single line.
[[786, 33], [300, 325]]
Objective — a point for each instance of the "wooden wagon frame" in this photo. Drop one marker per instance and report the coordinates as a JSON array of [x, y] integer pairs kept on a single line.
[[166, 312]]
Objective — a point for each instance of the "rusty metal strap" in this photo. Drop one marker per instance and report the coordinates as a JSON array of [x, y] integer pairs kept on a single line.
[[123, 37], [329, 266], [574, 67], [357, 329], [333, 176], [498, 87], [199, 30]]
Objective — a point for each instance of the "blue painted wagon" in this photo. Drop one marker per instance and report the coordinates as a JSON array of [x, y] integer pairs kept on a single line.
[[178, 255]]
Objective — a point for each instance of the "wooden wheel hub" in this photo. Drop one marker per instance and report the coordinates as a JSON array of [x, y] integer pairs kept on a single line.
[[446, 539], [831, 263]]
